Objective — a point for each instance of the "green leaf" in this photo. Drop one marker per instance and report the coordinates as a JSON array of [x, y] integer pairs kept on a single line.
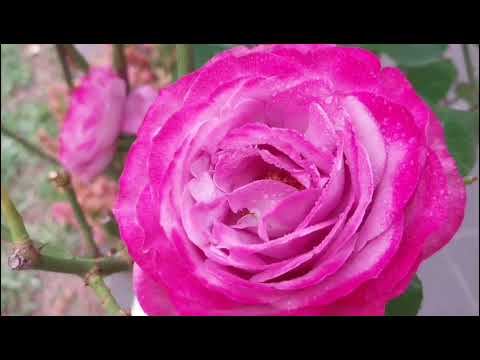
[[407, 304], [461, 130], [469, 93], [409, 54], [204, 52], [432, 81]]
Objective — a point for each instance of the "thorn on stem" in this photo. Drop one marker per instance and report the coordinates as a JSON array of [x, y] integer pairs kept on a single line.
[[60, 179], [95, 271]]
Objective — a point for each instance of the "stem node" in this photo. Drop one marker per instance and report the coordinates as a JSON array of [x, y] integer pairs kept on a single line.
[[24, 257]]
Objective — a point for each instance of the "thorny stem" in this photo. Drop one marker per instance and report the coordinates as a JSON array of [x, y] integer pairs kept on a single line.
[[62, 180], [75, 265], [95, 281], [62, 56], [77, 57], [65, 183], [120, 63], [29, 146], [27, 256], [184, 54]]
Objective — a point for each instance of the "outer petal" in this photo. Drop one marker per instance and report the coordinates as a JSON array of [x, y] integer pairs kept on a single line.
[[394, 86], [405, 145], [432, 218], [152, 297], [452, 198]]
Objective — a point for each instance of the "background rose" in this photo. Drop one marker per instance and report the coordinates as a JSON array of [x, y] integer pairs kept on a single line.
[[286, 180], [90, 130], [136, 107]]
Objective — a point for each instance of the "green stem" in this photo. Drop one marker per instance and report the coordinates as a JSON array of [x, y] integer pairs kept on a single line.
[[95, 281], [82, 221], [63, 180], [62, 56], [29, 146], [77, 57], [14, 220], [468, 64], [27, 256], [184, 59], [120, 63], [70, 192], [81, 265]]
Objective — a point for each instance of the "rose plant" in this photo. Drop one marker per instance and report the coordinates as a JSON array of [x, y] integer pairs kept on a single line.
[[271, 180]]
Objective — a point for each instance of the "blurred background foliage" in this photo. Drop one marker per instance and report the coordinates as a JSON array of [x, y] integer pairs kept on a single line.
[[30, 71]]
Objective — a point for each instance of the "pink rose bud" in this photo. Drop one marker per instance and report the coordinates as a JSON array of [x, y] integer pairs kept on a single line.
[[286, 180]]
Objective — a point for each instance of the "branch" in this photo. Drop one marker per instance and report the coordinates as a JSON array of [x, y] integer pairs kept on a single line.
[[62, 181], [77, 57], [95, 281], [468, 64], [27, 256], [62, 56], [75, 265], [120, 63], [34, 149], [184, 59]]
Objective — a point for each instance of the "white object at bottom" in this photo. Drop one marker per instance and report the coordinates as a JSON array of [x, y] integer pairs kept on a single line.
[[137, 309]]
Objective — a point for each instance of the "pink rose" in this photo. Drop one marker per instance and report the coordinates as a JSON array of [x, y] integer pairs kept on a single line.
[[136, 107], [89, 134], [99, 111], [286, 180]]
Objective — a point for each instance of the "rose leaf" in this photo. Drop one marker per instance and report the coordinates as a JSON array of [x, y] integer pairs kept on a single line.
[[432, 81], [407, 304], [204, 52], [461, 131], [409, 54]]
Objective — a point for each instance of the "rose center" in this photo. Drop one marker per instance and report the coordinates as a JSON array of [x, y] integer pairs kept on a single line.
[[283, 176]]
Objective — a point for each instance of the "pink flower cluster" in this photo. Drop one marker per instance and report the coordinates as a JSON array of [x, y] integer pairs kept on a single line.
[[99, 111]]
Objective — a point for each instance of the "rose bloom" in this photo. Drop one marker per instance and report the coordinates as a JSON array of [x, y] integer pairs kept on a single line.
[[286, 180], [136, 107], [99, 112], [88, 139]]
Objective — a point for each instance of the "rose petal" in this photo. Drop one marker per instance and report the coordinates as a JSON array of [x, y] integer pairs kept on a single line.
[[259, 196], [153, 298]]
